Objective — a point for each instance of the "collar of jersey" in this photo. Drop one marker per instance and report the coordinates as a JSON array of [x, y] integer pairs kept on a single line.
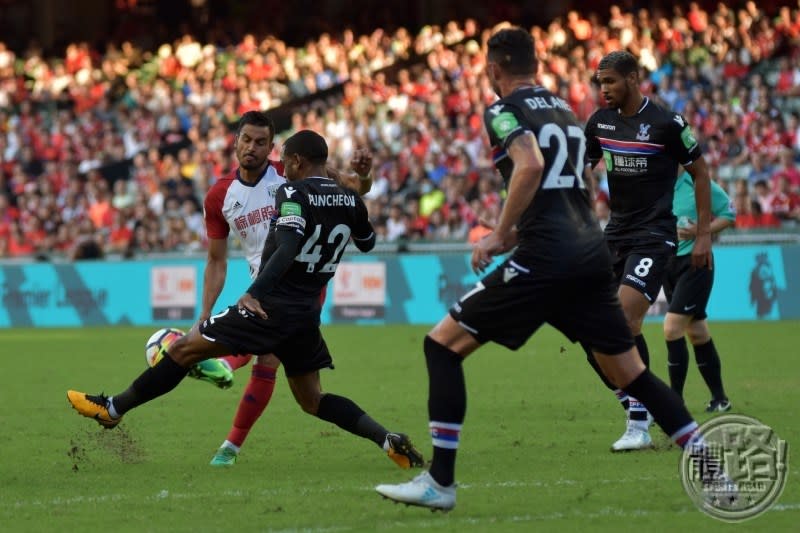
[[526, 86], [240, 180], [641, 108]]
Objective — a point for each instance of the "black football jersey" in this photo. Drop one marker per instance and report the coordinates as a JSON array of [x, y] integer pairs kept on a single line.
[[327, 216], [642, 154], [558, 233]]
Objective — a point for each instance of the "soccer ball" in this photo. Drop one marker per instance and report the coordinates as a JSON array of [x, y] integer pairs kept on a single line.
[[158, 343]]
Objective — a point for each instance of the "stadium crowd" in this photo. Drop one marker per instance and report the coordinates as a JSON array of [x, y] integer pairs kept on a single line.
[[112, 151]]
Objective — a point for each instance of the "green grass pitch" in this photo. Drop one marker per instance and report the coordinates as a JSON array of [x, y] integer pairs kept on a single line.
[[534, 449]]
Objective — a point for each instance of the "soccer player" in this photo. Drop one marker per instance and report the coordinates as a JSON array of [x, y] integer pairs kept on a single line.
[[642, 145], [280, 312], [559, 272], [688, 289], [244, 203]]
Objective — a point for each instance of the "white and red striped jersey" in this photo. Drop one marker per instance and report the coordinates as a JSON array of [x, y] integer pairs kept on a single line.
[[246, 209]]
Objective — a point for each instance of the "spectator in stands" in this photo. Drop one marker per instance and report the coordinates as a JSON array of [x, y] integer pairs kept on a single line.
[[787, 170], [397, 224], [89, 110], [762, 195], [750, 216], [732, 147], [784, 203], [759, 171]]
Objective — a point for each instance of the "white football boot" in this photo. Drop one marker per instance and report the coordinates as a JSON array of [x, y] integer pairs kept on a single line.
[[636, 437], [423, 491]]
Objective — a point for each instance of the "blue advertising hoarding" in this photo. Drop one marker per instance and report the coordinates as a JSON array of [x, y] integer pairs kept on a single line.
[[751, 283]]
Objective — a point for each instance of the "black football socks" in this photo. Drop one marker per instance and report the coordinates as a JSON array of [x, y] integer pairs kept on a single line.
[[152, 383], [710, 368], [346, 414], [665, 405], [447, 405], [677, 364]]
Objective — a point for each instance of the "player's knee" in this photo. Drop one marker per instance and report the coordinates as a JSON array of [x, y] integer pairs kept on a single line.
[[180, 351], [698, 332], [622, 369], [437, 353], [270, 361], [635, 325], [624, 375], [309, 403], [673, 329]]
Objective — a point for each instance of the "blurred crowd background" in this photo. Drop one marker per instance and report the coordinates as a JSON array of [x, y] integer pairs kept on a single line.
[[109, 146]]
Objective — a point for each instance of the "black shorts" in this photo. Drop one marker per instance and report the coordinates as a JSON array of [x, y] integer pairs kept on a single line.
[[641, 265], [687, 288], [295, 340], [511, 303]]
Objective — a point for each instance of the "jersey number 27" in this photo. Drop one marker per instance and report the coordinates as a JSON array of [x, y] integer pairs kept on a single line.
[[556, 177]]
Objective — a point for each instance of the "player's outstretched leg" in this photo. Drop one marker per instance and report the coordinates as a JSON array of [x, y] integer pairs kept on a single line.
[[347, 415], [94, 407], [152, 383]]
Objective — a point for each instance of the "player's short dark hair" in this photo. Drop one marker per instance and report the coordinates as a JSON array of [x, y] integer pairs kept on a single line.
[[256, 118], [513, 50], [308, 144], [620, 61]]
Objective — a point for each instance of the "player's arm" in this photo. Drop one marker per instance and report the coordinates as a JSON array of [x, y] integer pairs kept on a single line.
[[701, 252], [216, 268], [722, 209], [589, 181], [214, 275], [359, 177], [287, 245], [594, 152], [528, 161], [526, 176], [683, 146], [363, 232]]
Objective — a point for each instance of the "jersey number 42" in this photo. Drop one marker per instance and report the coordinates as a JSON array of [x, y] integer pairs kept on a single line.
[[311, 252]]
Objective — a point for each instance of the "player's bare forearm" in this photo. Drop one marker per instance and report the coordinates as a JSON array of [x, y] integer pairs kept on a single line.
[[359, 177], [690, 232], [365, 184], [701, 252], [719, 224], [588, 180], [524, 182], [702, 194], [213, 282], [351, 180], [522, 187]]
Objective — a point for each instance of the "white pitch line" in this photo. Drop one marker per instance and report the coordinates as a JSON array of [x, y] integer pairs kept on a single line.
[[326, 489]]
